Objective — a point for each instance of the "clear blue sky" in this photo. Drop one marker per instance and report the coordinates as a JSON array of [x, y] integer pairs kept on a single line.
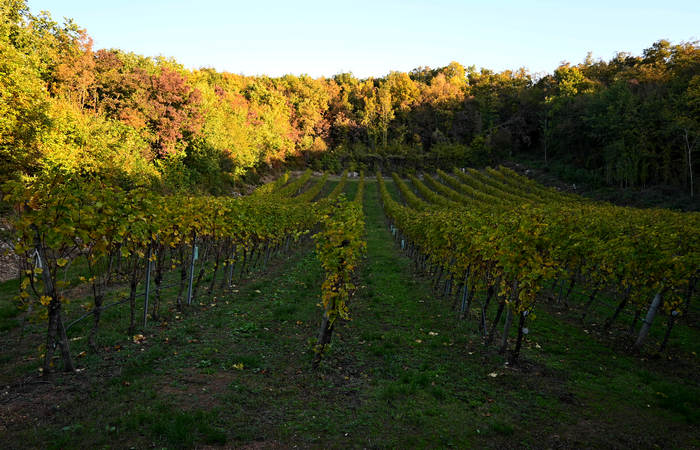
[[371, 38]]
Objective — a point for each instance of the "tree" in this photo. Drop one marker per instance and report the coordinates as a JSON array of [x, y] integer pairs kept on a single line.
[[689, 122], [171, 108], [385, 111]]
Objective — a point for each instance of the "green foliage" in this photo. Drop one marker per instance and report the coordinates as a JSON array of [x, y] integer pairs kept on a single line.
[[500, 226], [24, 115], [340, 247]]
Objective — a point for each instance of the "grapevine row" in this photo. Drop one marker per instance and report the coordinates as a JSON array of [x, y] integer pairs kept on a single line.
[[116, 234], [639, 255], [340, 247]]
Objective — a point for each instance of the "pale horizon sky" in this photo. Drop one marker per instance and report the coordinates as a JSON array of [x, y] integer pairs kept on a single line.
[[372, 38]]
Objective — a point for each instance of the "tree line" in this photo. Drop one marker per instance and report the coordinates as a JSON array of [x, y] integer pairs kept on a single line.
[[631, 121]]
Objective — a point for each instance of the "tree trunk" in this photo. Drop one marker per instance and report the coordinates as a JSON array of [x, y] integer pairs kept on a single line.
[[200, 275], [324, 338], [516, 352], [56, 337], [97, 314], [448, 286], [56, 334], [689, 149], [51, 335], [158, 280], [591, 299], [183, 279], [489, 294], [63, 344], [268, 250], [509, 318], [620, 307], [99, 287], [228, 266], [506, 330], [470, 298], [465, 294], [243, 264], [568, 291], [216, 269], [496, 320], [438, 277]]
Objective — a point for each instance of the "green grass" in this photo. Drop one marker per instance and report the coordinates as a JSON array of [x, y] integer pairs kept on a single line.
[[403, 373]]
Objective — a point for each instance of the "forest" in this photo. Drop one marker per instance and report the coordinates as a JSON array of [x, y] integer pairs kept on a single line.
[[632, 121]]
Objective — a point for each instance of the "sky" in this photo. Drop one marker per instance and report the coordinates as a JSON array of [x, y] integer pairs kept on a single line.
[[372, 38]]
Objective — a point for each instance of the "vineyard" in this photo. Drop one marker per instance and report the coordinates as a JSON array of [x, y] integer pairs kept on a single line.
[[324, 310], [510, 239], [129, 236]]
